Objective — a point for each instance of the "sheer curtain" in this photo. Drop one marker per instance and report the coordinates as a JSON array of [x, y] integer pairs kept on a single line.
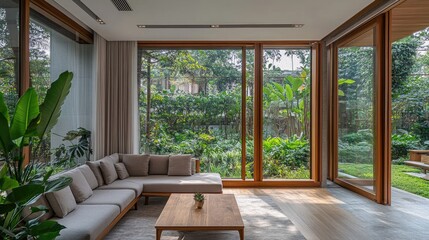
[[78, 109], [117, 118]]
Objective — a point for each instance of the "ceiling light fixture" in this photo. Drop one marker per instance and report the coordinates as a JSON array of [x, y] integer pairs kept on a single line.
[[161, 26], [100, 21]]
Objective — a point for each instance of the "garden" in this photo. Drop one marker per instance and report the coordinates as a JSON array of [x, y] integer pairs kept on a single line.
[[191, 102]]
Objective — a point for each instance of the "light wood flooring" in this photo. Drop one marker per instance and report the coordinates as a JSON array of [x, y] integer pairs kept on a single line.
[[336, 213]]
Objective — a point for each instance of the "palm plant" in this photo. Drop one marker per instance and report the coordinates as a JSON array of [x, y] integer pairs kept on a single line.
[[22, 181]]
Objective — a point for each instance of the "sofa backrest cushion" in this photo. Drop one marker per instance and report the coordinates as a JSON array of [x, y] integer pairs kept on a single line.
[[62, 201], [121, 170], [79, 186], [89, 176], [114, 157], [137, 165], [27, 215], [95, 168], [108, 170], [158, 164], [179, 165]]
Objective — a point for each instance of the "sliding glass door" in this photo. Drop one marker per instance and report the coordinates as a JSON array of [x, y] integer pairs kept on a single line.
[[361, 114]]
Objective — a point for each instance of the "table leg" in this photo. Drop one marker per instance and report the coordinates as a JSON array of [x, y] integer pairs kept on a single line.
[[158, 234], [241, 232]]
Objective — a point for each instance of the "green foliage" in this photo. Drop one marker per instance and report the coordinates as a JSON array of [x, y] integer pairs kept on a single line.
[[403, 59], [199, 197], [68, 156], [402, 142], [21, 185], [356, 147]]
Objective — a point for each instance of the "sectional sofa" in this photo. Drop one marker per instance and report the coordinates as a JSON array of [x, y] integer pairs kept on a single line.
[[103, 191]]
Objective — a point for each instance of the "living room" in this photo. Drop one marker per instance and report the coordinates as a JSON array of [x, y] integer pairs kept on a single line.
[[126, 119]]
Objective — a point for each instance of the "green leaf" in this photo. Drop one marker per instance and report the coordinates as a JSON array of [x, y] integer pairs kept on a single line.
[[7, 183], [51, 107], [340, 93], [3, 108], [345, 81], [6, 143], [27, 109], [25, 193], [57, 184], [39, 208], [296, 82], [289, 92], [46, 230]]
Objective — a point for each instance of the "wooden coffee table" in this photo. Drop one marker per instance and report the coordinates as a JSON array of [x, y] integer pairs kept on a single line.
[[219, 213]]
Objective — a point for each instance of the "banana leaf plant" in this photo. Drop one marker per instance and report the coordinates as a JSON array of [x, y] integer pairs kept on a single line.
[[23, 183]]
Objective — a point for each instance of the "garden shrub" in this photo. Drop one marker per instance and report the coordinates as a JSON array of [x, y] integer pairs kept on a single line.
[[402, 142]]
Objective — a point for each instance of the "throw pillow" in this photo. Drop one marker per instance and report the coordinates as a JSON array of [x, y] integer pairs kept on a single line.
[[95, 167], [108, 170], [89, 176], [137, 165], [79, 186], [158, 164], [27, 215], [179, 165], [62, 201], [121, 170]]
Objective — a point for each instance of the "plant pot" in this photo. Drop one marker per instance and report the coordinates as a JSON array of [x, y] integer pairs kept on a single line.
[[199, 204]]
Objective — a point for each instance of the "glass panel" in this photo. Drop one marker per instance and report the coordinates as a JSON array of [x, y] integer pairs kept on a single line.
[[250, 83], [9, 52], [356, 77], [190, 102], [51, 53], [287, 108]]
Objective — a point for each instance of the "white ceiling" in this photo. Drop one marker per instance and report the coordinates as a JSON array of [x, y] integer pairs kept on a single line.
[[319, 17]]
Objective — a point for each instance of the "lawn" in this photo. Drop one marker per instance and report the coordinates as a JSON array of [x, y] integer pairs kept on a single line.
[[400, 179]]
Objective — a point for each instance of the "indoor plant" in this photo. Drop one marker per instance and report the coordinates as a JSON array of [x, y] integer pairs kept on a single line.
[[23, 182], [199, 200]]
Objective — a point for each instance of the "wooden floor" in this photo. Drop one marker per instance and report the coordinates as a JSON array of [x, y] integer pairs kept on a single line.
[[336, 213]]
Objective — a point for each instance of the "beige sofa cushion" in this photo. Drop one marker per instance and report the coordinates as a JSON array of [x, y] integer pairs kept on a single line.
[[108, 170], [179, 165], [137, 165], [95, 168], [124, 184], [87, 221], [114, 157], [121, 170], [119, 197], [62, 201], [79, 186], [89, 176], [158, 164], [199, 182], [26, 212]]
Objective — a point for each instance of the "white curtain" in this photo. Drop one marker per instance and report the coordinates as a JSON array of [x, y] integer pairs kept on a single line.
[[78, 109]]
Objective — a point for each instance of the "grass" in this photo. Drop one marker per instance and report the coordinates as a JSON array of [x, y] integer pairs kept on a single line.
[[400, 179]]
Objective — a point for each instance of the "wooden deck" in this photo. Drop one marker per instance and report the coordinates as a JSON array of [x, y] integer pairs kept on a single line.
[[336, 213]]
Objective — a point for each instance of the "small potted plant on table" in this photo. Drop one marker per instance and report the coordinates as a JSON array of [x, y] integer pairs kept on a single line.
[[199, 200]]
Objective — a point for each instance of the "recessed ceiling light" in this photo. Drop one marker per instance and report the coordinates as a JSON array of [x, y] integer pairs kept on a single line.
[[214, 26], [141, 26], [100, 21], [299, 25]]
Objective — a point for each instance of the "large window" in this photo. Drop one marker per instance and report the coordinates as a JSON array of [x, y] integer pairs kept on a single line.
[[191, 102], [53, 51], [9, 52], [287, 113], [205, 102]]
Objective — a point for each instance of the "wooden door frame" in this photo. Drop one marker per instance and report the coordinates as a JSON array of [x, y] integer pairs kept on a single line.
[[316, 102], [382, 111]]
